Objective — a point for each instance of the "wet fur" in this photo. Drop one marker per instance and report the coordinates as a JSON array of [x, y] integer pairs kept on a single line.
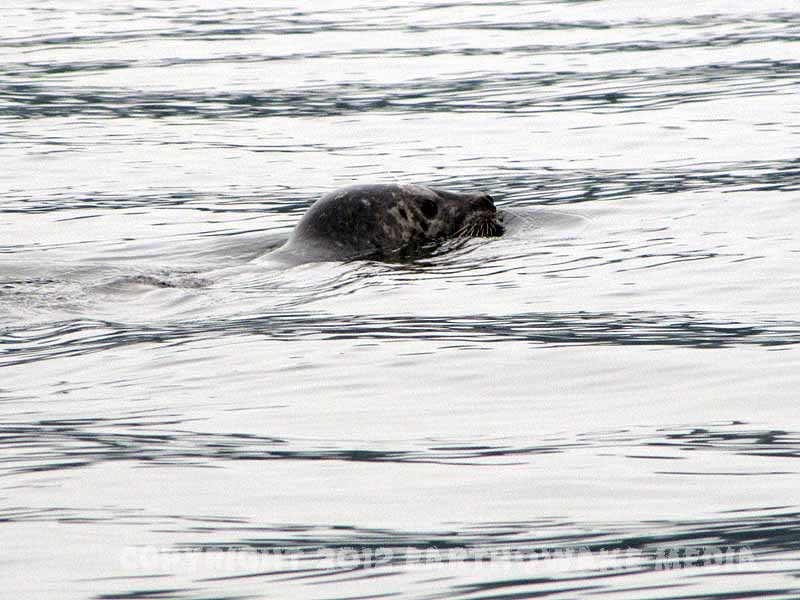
[[388, 220]]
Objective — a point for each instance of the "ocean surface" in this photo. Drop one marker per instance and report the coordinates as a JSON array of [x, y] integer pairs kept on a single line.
[[602, 403]]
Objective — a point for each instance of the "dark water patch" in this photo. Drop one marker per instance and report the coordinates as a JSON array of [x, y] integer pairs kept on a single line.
[[33, 69], [67, 444], [771, 443], [59, 444], [687, 330], [278, 201], [534, 92], [165, 594]]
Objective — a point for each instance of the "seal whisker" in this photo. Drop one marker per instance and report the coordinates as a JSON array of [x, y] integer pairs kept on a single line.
[[464, 231]]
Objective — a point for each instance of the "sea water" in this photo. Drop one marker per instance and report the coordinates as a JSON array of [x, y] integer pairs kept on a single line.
[[602, 403]]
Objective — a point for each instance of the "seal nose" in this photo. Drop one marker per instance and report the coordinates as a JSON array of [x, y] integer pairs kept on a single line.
[[484, 202]]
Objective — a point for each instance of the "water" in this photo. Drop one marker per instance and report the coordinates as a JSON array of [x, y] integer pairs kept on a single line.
[[600, 403]]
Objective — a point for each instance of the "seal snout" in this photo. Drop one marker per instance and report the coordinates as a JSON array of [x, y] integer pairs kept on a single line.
[[481, 217], [483, 202]]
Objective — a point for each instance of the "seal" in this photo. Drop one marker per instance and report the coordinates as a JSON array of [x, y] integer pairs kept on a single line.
[[387, 221]]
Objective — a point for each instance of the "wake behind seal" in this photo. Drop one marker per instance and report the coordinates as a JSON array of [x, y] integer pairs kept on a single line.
[[386, 221]]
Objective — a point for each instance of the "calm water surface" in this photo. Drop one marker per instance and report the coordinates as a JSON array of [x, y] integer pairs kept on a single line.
[[580, 408]]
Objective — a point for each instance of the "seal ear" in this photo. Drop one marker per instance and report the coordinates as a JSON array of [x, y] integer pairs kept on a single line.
[[428, 208]]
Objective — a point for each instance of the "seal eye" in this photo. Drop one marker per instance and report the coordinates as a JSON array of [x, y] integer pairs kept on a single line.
[[428, 208]]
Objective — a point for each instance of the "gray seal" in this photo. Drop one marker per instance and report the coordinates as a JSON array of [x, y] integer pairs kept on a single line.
[[387, 221]]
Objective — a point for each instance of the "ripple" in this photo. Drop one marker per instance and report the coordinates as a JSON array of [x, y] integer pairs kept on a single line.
[[514, 186], [692, 330], [228, 24], [235, 117], [533, 92], [57, 444]]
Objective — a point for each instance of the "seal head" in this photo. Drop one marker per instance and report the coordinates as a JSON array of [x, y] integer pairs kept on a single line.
[[388, 221]]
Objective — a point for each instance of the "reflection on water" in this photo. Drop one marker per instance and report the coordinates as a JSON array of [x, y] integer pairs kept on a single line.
[[762, 534], [65, 443], [491, 555], [166, 389], [518, 188], [533, 92], [75, 337]]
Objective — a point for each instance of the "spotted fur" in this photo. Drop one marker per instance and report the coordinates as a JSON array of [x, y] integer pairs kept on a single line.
[[388, 220]]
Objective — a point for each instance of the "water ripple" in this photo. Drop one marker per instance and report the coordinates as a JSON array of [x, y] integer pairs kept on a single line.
[[57, 444], [533, 92], [227, 25], [514, 186], [694, 330]]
